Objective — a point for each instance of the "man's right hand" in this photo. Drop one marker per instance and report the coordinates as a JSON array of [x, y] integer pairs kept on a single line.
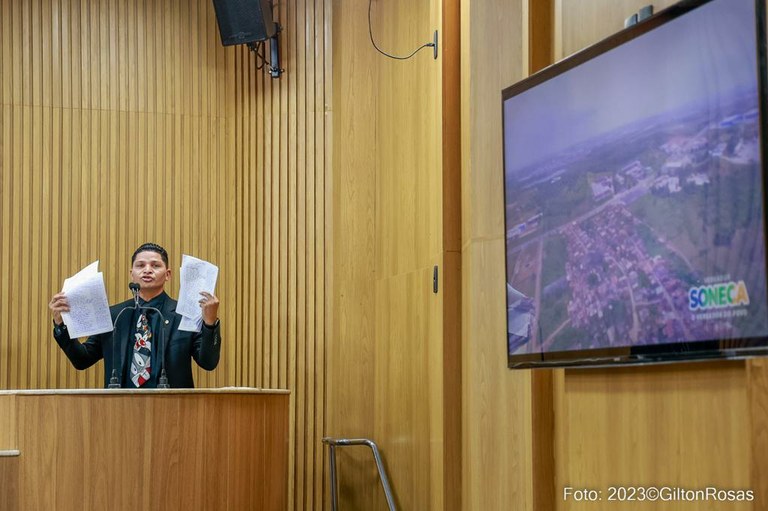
[[58, 305]]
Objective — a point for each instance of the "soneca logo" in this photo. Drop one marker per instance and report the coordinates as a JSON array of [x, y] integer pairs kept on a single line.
[[718, 296]]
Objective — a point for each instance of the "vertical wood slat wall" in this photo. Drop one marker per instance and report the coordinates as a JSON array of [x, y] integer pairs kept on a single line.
[[284, 131], [124, 121]]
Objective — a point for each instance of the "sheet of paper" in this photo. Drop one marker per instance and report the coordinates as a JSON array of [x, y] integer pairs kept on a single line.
[[195, 276], [88, 306], [88, 271], [191, 324]]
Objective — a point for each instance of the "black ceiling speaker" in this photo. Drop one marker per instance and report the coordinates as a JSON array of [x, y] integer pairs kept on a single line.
[[244, 21]]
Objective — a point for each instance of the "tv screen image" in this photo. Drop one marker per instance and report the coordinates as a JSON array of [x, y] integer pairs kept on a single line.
[[634, 195]]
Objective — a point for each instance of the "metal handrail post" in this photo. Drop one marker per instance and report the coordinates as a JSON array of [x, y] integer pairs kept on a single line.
[[343, 442], [332, 463]]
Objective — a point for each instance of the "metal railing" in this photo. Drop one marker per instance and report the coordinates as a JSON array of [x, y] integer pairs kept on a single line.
[[333, 443]]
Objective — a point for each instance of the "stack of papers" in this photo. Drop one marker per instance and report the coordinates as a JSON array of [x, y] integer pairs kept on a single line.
[[88, 306], [195, 276]]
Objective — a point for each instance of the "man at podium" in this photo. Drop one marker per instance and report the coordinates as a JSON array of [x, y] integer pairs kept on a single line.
[[132, 350]]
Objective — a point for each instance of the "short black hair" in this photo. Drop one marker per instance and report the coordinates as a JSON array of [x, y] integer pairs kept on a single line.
[[151, 247]]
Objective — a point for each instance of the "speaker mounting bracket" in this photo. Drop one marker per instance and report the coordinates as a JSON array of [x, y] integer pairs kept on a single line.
[[274, 53]]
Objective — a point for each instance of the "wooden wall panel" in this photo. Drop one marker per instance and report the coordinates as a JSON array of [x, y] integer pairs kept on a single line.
[[680, 426], [450, 270], [579, 24], [351, 365], [127, 121], [408, 351], [387, 365], [757, 394], [496, 402], [540, 23], [540, 20]]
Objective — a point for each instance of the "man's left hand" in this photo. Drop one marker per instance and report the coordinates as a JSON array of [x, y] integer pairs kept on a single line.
[[210, 305]]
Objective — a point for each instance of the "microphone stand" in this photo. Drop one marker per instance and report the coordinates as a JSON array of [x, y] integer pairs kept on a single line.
[[114, 381]]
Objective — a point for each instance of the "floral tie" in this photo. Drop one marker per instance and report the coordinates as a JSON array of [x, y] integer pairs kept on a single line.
[[142, 349]]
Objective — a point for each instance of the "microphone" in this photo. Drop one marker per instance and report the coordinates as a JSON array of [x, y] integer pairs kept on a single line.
[[114, 381], [134, 287]]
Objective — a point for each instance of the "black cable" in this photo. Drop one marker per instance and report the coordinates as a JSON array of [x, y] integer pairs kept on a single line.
[[370, 33], [260, 56], [254, 47]]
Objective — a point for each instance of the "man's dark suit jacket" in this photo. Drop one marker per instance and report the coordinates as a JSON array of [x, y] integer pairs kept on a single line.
[[180, 346]]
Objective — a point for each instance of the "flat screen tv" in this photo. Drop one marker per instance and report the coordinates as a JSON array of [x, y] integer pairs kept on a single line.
[[634, 187]]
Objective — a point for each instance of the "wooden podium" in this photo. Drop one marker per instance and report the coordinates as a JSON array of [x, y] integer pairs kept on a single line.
[[215, 449]]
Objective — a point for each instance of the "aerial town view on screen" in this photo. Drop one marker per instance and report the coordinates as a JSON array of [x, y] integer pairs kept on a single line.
[[647, 230]]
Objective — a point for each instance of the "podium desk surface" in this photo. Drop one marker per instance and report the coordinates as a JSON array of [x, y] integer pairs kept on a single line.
[[221, 390]]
